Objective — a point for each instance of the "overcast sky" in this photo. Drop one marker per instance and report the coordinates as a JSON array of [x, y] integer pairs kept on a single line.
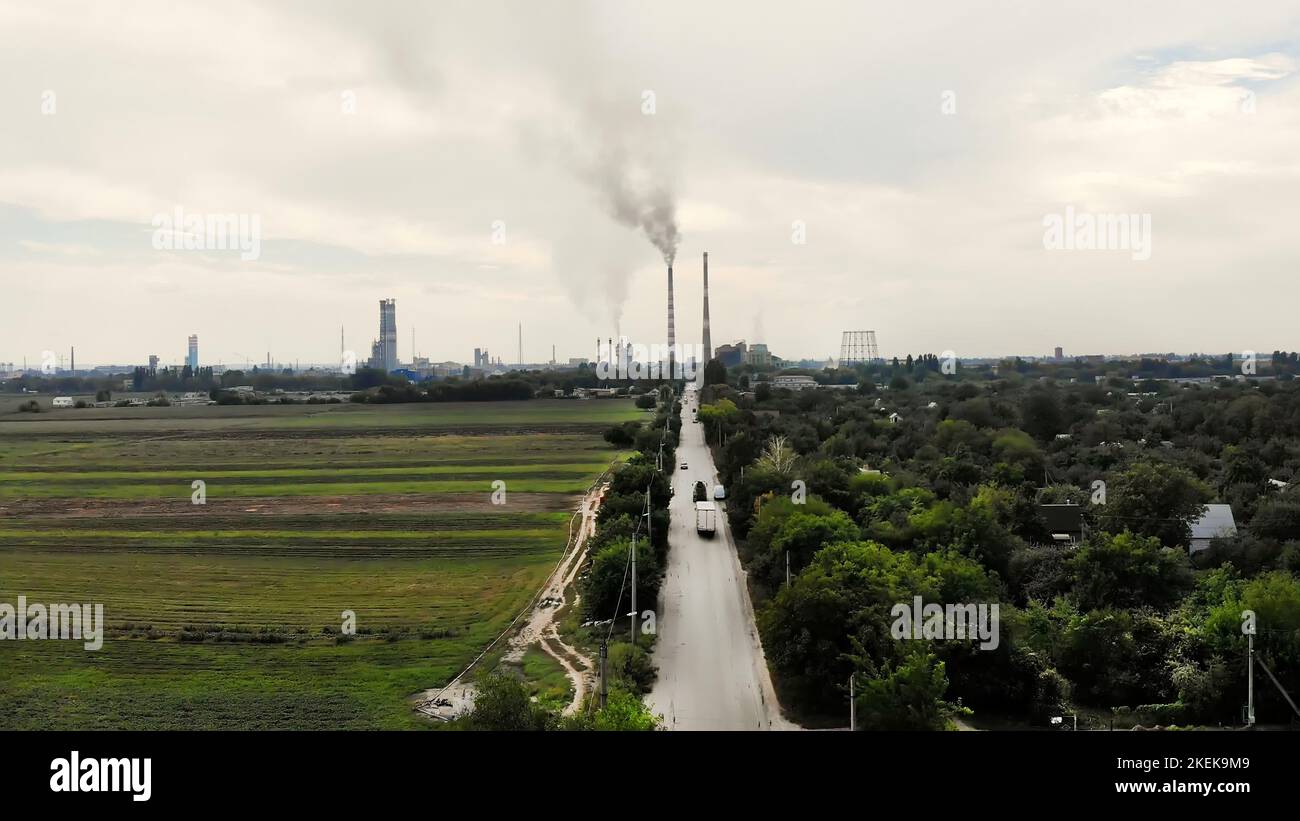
[[915, 148]]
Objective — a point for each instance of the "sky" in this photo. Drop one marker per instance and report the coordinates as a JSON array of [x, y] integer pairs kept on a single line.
[[848, 166]]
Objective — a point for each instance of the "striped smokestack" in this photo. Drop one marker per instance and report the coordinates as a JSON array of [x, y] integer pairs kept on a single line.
[[672, 329], [708, 343]]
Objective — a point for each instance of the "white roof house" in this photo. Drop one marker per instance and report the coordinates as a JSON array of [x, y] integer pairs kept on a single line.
[[1215, 522], [795, 382]]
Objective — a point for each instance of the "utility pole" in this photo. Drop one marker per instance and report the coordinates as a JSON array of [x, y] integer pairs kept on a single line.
[[604, 681], [632, 615], [853, 707], [787, 568], [649, 520], [1250, 679]]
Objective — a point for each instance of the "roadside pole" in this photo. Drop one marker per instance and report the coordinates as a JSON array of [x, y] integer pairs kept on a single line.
[[632, 615], [604, 682], [1250, 680], [853, 708]]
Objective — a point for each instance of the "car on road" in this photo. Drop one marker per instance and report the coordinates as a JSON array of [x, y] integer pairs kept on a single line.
[[719, 492], [683, 466], [701, 492]]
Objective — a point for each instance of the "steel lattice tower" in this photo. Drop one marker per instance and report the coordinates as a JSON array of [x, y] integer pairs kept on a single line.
[[858, 348]]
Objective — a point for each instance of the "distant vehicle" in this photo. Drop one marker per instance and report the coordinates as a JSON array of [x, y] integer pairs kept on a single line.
[[62, 402], [683, 466], [706, 519], [701, 492], [719, 492]]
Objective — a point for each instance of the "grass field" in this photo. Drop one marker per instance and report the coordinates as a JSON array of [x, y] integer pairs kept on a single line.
[[227, 614]]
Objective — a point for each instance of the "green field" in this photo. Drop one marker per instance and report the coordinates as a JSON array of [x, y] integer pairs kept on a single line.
[[226, 615]]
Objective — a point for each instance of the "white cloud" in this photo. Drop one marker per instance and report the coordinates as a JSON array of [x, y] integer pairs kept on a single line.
[[923, 226]]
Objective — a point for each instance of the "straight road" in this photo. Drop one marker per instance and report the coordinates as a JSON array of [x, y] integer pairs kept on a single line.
[[712, 674]]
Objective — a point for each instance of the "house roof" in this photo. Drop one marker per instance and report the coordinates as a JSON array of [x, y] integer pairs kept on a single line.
[[1216, 521], [1065, 518]]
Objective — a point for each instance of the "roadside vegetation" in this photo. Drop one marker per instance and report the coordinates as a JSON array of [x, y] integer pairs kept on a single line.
[[508, 699], [914, 482]]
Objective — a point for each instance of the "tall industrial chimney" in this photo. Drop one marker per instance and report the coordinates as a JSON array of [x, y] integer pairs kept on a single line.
[[672, 329], [708, 342]]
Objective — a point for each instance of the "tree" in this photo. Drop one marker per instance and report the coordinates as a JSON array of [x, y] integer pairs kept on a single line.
[[1278, 519], [715, 373], [1155, 500], [623, 711], [777, 457], [608, 580], [1041, 414], [624, 435], [804, 533], [719, 415], [1128, 571], [835, 618], [906, 695], [501, 702]]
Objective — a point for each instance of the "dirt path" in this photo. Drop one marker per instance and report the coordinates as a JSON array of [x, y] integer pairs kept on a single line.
[[540, 628], [457, 697]]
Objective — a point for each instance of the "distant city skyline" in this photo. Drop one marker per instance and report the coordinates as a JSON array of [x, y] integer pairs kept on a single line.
[[511, 162]]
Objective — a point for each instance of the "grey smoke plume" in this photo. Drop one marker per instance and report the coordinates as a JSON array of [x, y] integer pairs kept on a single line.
[[653, 211], [630, 170]]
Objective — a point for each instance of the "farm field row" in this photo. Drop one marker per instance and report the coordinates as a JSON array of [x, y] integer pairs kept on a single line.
[[228, 614]]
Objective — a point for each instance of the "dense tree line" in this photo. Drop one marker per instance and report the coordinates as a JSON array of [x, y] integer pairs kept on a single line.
[[932, 486]]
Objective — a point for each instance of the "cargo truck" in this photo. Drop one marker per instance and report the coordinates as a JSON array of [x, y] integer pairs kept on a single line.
[[706, 519]]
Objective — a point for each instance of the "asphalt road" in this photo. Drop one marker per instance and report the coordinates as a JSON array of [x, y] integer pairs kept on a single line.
[[712, 675]]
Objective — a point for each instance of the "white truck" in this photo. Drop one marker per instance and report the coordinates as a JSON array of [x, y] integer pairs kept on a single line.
[[706, 519]]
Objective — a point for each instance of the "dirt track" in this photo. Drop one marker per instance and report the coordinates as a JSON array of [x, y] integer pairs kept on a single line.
[[457, 698]]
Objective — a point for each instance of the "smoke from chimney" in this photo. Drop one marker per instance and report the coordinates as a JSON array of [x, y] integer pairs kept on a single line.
[[637, 194]]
